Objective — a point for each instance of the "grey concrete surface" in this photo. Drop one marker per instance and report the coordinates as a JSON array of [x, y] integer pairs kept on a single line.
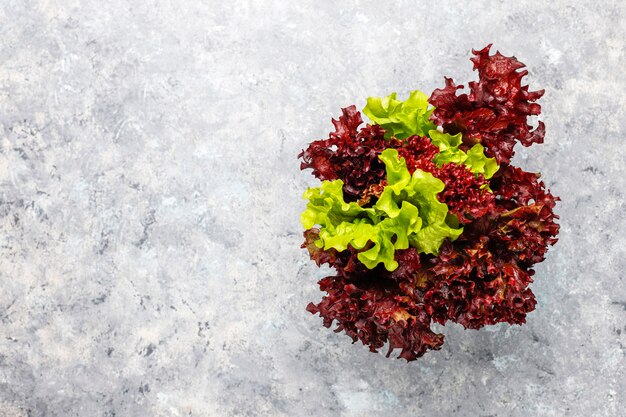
[[150, 195]]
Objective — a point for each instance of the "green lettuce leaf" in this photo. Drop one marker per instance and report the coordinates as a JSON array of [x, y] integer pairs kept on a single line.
[[407, 214], [401, 119], [475, 159]]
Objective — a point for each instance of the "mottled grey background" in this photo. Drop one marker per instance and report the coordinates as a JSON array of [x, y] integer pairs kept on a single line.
[[150, 195]]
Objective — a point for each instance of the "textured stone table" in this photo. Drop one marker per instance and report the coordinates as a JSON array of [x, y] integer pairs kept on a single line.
[[150, 194]]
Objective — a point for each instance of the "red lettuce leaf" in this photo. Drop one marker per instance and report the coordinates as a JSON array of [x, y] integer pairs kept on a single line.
[[496, 110], [349, 154]]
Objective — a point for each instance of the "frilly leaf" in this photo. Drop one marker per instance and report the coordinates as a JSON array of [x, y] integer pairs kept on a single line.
[[401, 119], [407, 214], [475, 158]]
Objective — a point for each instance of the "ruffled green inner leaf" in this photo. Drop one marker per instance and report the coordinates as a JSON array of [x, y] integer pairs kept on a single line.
[[475, 159], [401, 119], [407, 214]]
